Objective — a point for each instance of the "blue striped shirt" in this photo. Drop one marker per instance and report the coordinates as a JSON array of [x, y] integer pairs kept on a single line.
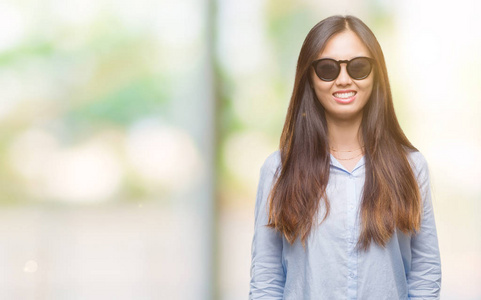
[[330, 268]]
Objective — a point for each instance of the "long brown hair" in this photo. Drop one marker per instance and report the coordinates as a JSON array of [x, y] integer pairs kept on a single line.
[[391, 197]]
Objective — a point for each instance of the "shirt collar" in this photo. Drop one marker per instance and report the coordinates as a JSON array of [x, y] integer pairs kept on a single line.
[[335, 163]]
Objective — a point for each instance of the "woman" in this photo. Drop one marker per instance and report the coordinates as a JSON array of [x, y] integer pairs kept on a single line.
[[343, 208]]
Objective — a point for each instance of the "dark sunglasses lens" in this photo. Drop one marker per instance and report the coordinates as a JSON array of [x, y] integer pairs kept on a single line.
[[359, 68], [327, 69]]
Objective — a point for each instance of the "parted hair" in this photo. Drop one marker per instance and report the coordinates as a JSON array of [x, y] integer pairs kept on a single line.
[[391, 198]]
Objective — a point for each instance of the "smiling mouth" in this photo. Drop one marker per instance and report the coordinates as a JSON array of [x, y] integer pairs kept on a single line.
[[345, 95]]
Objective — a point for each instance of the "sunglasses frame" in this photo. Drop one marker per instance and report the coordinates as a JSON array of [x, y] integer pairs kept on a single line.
[[339, 62]]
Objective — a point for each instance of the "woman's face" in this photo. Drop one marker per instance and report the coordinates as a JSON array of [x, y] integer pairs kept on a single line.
[[343, 98]]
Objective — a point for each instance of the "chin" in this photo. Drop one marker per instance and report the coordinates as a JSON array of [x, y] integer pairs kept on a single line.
[[346, 115]]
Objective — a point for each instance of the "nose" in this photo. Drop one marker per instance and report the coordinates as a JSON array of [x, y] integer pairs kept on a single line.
[[343, 78]]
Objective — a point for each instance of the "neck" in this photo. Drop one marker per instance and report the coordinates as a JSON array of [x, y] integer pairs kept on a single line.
[[345, 135]]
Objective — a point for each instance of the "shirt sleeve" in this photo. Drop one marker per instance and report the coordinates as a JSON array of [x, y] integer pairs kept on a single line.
[[267, 272], [424, 278]]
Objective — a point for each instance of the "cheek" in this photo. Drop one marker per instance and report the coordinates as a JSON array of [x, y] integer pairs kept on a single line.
[[322, 96], [322, 89], [367, 88]]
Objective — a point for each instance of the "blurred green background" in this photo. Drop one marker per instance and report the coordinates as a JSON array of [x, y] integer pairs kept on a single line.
[[132, 134]]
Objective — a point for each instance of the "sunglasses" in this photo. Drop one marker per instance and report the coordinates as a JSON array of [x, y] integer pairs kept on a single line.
[[327, 69]]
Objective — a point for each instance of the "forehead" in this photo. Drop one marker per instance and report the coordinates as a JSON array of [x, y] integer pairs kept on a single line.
[[344, 45]]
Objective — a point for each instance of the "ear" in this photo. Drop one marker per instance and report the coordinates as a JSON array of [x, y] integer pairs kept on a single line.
[[309, 88], [310, 76]]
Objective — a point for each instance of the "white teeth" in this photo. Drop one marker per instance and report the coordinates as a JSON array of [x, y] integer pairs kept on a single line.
[[344, 95]]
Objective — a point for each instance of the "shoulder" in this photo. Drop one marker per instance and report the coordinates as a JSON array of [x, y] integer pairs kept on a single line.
[[418, 163], [272, 162]]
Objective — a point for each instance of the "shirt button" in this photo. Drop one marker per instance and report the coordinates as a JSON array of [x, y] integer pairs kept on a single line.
[[351, 275]]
